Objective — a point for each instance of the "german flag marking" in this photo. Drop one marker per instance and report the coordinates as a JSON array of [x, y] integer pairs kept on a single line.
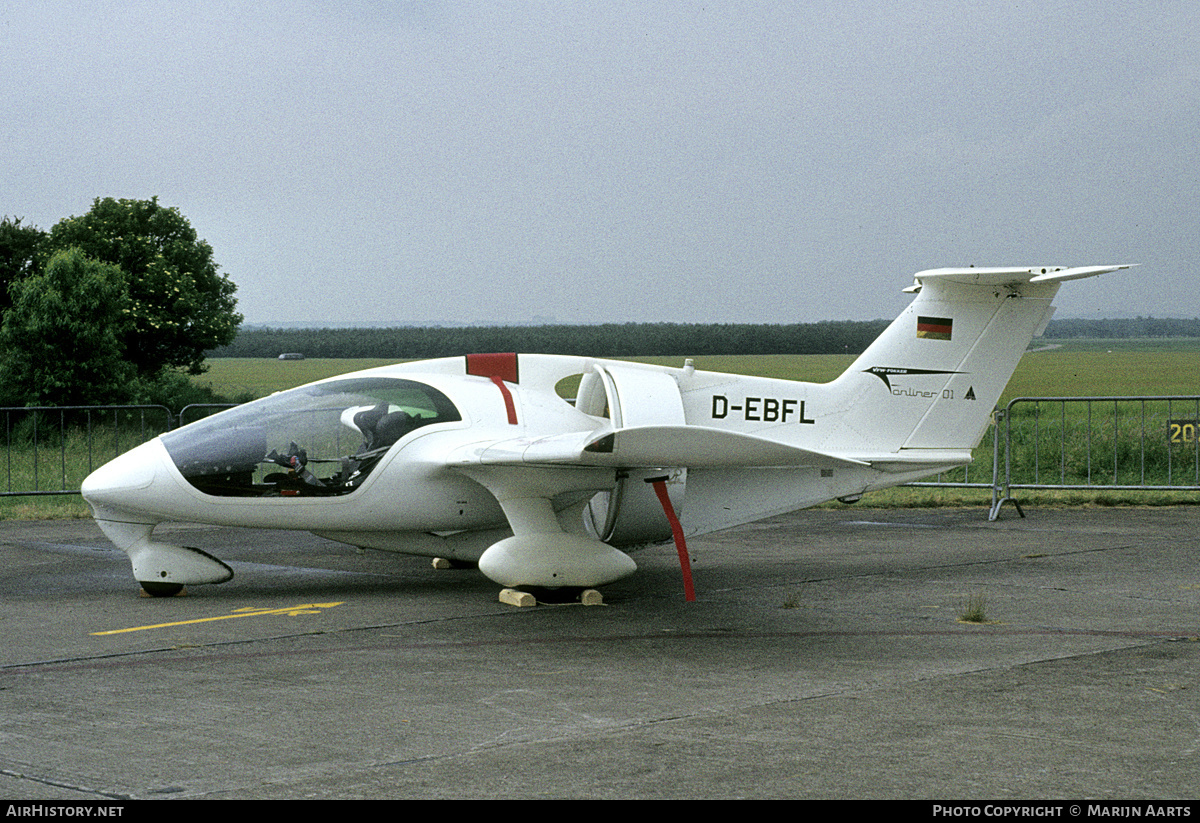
[[934, 328]]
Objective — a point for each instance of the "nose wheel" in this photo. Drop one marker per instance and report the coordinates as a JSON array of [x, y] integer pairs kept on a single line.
[[161, 589], [169, 568]]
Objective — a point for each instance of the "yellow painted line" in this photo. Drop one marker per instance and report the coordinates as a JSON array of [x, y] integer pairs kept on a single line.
[[249, 611]]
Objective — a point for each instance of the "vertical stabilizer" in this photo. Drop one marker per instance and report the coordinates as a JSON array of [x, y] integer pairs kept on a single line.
[[931, 380]]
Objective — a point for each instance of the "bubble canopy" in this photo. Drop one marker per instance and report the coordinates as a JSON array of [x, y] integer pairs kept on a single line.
[[318, 440]]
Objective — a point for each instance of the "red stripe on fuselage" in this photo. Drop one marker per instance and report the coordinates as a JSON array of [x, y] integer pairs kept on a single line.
[[499, 368], [509, 406], [503, 366]]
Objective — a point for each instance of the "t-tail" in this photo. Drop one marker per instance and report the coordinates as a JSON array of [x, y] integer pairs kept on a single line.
[[931, 380]]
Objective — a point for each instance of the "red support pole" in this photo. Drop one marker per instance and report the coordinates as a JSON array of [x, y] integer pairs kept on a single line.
[[685, 563]]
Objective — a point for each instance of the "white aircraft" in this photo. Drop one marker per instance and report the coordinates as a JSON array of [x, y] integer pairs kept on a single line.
[[478, 459]]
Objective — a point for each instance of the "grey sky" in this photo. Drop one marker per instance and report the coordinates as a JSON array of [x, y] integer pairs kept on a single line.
[[727, 162]]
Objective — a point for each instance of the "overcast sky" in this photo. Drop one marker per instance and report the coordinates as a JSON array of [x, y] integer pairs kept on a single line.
[[417, 161]]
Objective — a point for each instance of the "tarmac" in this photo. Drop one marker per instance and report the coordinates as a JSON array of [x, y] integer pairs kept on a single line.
[[824, 658]]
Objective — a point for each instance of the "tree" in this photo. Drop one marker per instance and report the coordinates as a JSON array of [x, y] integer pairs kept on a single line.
[[180, 306], [59, 342], [19, 248]]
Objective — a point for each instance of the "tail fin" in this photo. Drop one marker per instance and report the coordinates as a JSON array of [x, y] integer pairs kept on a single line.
[[931, 380]]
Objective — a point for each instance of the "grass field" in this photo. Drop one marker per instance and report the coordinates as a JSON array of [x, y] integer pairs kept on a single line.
[[1073, 368], [1054, 368]]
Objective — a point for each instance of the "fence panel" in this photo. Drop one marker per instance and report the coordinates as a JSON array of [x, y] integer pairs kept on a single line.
[[1148, 443], [1117, 443], [51, 449]]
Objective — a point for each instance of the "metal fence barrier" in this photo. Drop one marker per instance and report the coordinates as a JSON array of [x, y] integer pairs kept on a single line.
[[51, 449], [1146, 443], [1067, 443]]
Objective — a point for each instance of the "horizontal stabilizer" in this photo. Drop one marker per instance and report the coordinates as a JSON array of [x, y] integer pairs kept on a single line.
[[907, 460], [1010, 276], [1077, 273]]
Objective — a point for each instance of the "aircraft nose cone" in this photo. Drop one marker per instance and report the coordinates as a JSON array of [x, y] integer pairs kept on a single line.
[[131, 472]]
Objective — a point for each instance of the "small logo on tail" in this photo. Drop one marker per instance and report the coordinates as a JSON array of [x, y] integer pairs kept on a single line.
[[884, 372]]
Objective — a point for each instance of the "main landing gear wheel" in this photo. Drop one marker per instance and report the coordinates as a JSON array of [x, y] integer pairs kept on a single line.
[[161, 589]]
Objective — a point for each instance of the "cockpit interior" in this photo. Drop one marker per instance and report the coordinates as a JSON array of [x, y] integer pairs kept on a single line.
[[317, 440]]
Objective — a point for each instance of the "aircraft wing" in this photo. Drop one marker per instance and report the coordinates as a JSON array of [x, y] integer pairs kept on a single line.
[[648, 447]]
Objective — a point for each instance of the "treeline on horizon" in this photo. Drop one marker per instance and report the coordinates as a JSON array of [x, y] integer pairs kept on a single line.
[[631, 339]]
